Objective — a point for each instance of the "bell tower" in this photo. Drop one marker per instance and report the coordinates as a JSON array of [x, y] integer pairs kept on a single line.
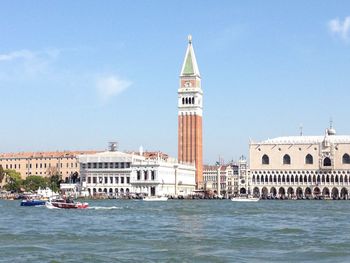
[[190, 107]]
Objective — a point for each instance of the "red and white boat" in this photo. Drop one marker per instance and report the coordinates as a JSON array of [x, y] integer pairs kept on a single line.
[[65, 204]]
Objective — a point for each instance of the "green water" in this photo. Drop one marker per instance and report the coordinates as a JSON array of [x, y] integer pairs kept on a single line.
[[177, 231]]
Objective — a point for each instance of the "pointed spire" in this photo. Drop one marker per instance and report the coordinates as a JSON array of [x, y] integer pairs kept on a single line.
[[190, 67]]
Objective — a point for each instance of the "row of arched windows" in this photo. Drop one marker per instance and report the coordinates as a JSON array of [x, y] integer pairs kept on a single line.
[[189, 100], [268, 179], [308, 159]]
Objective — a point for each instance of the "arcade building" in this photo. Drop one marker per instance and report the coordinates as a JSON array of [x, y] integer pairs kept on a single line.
[[300, 167]]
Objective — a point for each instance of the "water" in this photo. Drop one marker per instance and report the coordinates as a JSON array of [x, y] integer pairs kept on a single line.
[[177, 231]]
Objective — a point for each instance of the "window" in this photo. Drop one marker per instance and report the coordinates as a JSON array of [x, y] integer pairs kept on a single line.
[[346, 159], [121, 165], [121, 180], [106, 165], [138, 175], [89, 165], [127, 165], [116, 180], [111, 165], [89, 180], [286, 159], [111, 180], [128, 180], [100, 165], [265, 159], [309, 159], [94, 165], [327, 162], [153, 175], [146, 175], [94, 180], [106, 180]]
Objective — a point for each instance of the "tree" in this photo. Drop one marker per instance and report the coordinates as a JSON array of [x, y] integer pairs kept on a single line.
[[55, 181], [2, 174], [14, 181], [33, 182]]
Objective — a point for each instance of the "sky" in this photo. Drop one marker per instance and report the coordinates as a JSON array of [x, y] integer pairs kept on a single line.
[[75, 75]]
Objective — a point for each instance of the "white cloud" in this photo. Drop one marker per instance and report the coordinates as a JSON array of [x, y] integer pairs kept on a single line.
[[340, 28], [27, 64], [110, 86], [25, 54], [19, 54]]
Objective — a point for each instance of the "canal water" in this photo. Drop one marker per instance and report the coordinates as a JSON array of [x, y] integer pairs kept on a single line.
[[178, 231]]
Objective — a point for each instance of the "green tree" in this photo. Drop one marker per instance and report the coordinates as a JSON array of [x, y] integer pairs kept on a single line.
[[55, 181], [14, 181], [2, 174], [33, 182]]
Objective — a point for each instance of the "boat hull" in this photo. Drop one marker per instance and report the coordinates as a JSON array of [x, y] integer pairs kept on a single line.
[[32, 202], [245, 199], [62, 205], [155, 199]]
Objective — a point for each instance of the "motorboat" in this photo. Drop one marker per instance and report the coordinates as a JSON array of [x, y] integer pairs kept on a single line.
[[245, 199], [65, 203], [32, 200], [155, 198]]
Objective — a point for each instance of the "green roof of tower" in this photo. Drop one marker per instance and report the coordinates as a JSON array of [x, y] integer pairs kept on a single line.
[[190, 67]]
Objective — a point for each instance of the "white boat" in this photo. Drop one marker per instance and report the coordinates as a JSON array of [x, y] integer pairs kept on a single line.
[[244, 199], [155, 198]]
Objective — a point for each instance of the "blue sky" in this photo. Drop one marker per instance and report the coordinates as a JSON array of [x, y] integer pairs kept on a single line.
[[77, 74]]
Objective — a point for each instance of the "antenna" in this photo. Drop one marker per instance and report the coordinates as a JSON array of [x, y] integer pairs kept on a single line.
[[113, 146], [301, 129], [331, 123]]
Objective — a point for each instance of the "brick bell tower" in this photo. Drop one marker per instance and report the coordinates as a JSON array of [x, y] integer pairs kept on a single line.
[[190, 107]]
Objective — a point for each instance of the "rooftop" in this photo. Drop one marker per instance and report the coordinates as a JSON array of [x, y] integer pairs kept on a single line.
[[56, 154], [307, 139]]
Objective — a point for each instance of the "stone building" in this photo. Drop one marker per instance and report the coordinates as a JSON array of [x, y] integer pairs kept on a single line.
[[43, 163], [118, 173], [301, 166], [228, 175]]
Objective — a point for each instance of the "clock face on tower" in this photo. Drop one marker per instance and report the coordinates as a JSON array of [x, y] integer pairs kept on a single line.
[[187, 84]]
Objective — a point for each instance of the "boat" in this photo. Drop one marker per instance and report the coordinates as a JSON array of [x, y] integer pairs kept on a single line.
[[32, 200], [244, 199], [155, 198], [65, 203]]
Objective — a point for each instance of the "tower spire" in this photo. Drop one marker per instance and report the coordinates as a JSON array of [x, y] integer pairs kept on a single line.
[[190, 66]]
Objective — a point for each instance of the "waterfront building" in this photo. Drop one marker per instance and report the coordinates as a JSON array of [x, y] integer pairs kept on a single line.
[[301, 166], [43, 163], [119, 173], [190, 107], [226, 174], [243, 180]]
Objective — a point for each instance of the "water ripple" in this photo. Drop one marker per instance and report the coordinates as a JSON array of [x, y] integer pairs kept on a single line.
[[177, 231]]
